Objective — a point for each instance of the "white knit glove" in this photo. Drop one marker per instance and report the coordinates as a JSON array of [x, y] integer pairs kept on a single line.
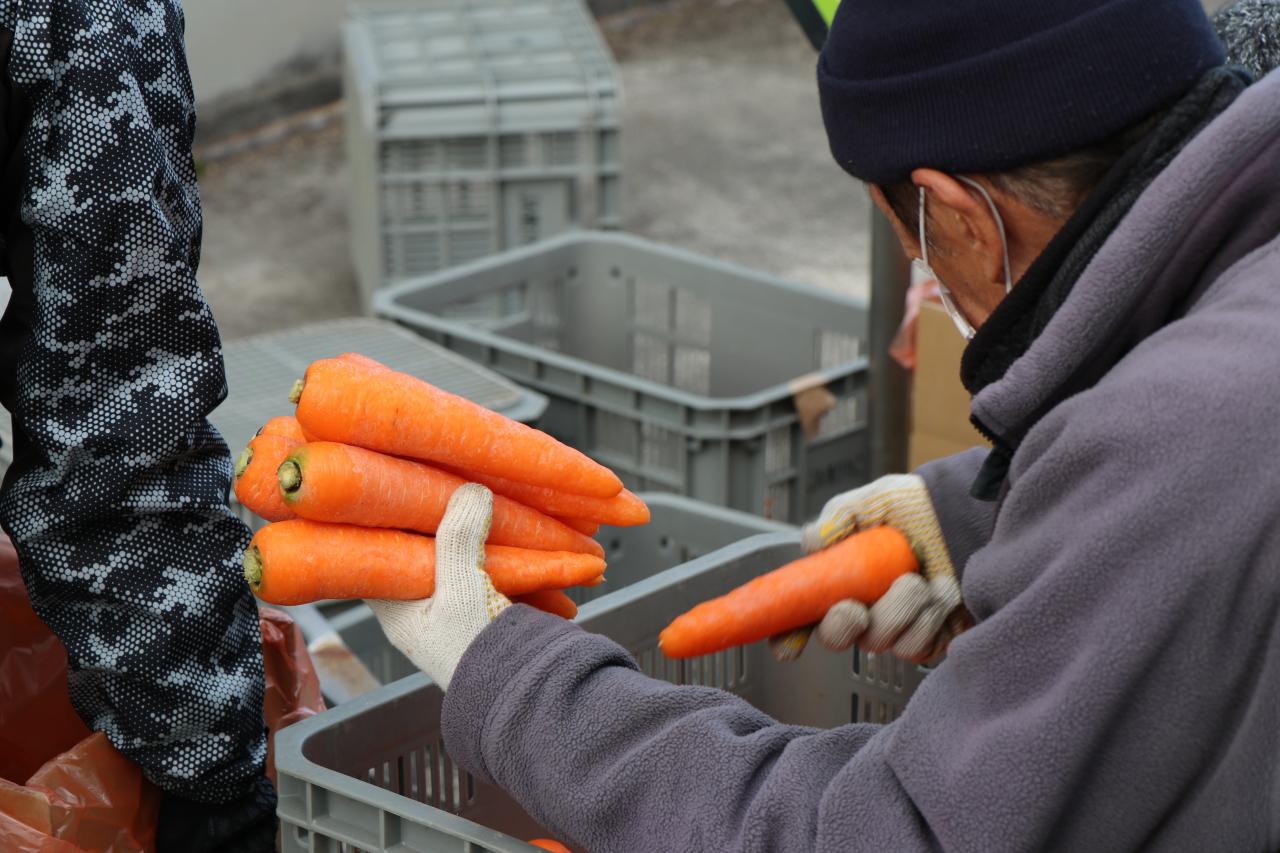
[[434, 632], [921, 612]]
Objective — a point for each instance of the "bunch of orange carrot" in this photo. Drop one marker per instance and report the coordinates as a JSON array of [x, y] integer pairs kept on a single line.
[[358, 480]]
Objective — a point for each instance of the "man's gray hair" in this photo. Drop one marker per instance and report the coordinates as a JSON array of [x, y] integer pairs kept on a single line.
[[1053, 187]]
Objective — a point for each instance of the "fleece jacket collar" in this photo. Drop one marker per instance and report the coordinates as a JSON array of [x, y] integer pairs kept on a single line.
[[1210, 207], [1040, 292]]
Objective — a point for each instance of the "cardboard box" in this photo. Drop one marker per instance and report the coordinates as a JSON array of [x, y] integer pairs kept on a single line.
[[939, 403]]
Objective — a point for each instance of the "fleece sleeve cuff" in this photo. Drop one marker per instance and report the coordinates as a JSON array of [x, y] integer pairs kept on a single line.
[[507, 646], [965, 521]]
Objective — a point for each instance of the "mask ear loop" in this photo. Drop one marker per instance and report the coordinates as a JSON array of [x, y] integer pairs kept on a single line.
[[924, 247], [1008, 281]]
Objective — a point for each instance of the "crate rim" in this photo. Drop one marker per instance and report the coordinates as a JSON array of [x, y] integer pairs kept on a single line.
[[384, 305], [743, 547], [620, 238], [290, 741], [601, 73], [782, 390], [707, 509]]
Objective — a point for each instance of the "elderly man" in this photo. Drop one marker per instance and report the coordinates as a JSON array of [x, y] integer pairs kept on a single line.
[[1095, 191]]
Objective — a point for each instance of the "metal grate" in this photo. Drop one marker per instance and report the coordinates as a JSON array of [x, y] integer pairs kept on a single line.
[[659, 448], [548, 313], [617, 434], [691, 370], [650, 358], [835, 348], [725, 670], [886, 687], [777, 450], [671, 336], [844, 416], [777, 501], [560, 149]]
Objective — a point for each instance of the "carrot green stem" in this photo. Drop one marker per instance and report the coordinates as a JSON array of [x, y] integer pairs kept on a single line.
[[290, 476], [253, 567], [246, 457], [295, 393]]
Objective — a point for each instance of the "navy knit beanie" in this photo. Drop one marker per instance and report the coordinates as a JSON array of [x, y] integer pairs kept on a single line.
[[973, 86]]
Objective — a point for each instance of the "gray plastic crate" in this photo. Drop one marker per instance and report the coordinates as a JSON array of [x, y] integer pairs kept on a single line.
[[474, 126], [261, 369], [671, 368], [373, 774], [680, 529]]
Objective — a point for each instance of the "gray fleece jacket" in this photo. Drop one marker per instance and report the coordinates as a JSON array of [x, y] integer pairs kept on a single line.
[[1121, 689]]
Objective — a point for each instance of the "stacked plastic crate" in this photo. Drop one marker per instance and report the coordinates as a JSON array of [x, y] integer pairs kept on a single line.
[[475, 126], [679, 372]]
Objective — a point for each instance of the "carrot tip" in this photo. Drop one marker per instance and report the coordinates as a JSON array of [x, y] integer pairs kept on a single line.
[[295, 393], [253, 567], [242, 464], [290, 476]]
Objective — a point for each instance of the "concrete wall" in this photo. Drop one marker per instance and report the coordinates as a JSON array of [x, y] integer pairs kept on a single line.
[[253, 60]]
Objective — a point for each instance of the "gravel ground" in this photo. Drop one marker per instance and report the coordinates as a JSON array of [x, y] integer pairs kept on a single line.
[[723, 149], [275, 235], [725, 153]]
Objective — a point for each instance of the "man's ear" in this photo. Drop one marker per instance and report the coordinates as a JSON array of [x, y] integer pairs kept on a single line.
[[910, 241], [964, 218]]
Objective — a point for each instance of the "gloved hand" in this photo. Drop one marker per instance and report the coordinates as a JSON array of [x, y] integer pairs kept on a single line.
[[434, 632], [920, 612]]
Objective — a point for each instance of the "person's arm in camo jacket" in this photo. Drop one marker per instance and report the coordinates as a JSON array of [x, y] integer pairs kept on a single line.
[[109, 363]]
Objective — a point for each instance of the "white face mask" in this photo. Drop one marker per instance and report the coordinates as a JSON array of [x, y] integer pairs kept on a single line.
[[922, 263]]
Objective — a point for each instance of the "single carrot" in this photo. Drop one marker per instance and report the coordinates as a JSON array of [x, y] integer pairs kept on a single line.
[[300, 561], [622, 510], [552, 601], [586, 528], [328, 481], [861, 567], [284, 425], [354, 402], [548, 844], [255, 476]]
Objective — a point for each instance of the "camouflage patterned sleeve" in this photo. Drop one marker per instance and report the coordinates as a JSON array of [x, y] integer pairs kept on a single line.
[[117, 500]]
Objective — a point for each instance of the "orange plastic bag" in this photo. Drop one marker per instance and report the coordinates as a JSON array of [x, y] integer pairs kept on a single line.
[[36, 718], [80, 793], [902, 348], [88, 798], [293, 688]]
